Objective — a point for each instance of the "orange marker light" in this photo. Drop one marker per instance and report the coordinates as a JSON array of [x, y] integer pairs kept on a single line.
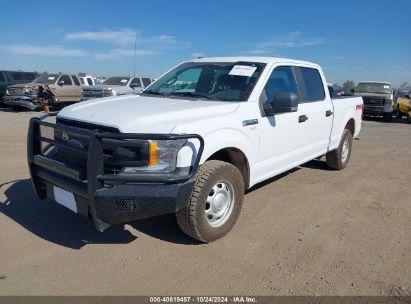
[[152, 161]]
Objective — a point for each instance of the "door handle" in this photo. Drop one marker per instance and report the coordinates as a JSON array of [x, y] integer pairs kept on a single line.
[[328, 113], [302, 118]]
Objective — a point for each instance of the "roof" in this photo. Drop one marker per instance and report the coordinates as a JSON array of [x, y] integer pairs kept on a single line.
[[251, 59]]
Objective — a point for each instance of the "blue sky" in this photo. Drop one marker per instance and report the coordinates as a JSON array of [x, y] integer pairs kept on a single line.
[[358, 40]]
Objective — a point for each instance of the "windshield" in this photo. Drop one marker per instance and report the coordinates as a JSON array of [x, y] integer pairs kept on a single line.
[[120, 81], [374, 87], [233, 81], [46, 78]]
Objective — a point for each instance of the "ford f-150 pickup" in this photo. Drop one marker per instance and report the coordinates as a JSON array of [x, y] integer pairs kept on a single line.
[[191, 149]]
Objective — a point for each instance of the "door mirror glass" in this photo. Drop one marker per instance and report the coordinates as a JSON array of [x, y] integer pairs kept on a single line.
[[61, 82], [285, 102]]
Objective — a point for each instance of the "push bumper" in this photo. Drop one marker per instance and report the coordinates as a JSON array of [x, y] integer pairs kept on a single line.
[[377, 110], [22, 101], [108, 198]]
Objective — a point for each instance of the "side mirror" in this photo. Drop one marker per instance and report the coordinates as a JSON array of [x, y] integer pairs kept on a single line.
[[285, 103], [61, 82], [133, 86]]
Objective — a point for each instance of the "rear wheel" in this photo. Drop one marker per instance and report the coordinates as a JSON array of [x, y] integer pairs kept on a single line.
[[399, 114], [215, 204], [338, 159]]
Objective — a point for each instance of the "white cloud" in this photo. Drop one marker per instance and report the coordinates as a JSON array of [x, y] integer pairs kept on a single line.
[[115, 53], [292, 40], [339, 57], [54, 50], [120, 37]]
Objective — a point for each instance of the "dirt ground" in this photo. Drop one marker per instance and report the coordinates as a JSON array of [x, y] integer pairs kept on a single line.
[[311, 231]]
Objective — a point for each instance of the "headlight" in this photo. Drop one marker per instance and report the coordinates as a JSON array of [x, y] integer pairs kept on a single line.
[[28, 90], [110, 92], [388, 101], [162, 157]]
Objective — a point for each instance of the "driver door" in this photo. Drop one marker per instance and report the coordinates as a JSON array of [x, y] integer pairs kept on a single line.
[[282, 135]]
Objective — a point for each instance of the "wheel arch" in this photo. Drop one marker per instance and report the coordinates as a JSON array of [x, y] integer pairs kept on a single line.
[[237, 158]]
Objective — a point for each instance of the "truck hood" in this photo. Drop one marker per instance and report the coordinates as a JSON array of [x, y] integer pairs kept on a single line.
[[141, 114], [27, 85], [374, 95]]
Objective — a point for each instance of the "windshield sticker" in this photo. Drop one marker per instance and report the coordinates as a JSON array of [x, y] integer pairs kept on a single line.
[[51, 78], [123, 80], [386, 86], [242, 70]]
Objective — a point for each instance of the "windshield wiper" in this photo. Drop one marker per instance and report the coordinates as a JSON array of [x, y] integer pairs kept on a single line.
[[193, 94], [153, 93]]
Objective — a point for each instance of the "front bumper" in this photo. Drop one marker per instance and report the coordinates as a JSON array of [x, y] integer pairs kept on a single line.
[[377, 110], [109, 199], [22, 101]]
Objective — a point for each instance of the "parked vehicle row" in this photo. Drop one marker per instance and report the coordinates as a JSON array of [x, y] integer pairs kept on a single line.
[[57, 89]]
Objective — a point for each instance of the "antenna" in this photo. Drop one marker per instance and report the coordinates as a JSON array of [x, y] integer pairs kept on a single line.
[[135, 55]]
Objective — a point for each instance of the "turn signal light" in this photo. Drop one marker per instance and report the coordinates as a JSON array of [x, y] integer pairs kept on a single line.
[[152, 154]]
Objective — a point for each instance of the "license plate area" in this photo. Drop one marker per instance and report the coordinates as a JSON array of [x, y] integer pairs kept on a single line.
[[65, 198]]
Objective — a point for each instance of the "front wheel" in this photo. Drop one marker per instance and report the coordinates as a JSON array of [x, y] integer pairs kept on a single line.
[[215, 203], [338, 159], [399, 114]]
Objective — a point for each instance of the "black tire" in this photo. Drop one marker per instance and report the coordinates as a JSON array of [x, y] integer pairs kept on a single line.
[[334, 158], [399, 114], [192, 219], [387, 117], [408, 119]]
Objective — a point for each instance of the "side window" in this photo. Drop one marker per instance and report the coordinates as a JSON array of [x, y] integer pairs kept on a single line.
[[81, 80], [2, 77], [66, 79], [281, 81], [146, 81], [75, 79], [310, 84], [89, 81], [135, 83]]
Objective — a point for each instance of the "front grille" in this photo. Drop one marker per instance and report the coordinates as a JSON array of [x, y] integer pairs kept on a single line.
[[15, 91], [125, 205], [93, 93], [374, 101], [86, 125], [66, 147]]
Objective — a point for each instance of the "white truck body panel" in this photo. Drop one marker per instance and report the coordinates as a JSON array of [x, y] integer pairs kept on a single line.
[[272, 146]]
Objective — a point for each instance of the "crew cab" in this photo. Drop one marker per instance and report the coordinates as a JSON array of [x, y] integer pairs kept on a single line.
[[53, 89], [115, 86], [191, 149], [377, 97]]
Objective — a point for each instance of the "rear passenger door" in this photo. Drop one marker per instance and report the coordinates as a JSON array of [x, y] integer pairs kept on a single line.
[[146, 82], [316, 105], [77, 89], [136, 85]]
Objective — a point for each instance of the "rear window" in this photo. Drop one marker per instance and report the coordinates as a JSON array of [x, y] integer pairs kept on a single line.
[[310, 85], [21, 76], [146, 82], [75, 79]]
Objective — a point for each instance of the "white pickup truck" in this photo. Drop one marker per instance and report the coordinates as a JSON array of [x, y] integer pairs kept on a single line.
[[192, 142]]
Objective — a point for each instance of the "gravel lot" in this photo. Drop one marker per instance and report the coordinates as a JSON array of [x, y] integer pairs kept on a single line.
[[311, 231]]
